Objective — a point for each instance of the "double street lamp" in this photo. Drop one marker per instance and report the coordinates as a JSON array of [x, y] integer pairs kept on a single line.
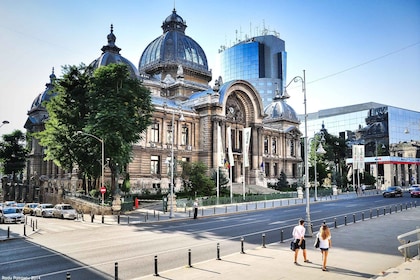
[[171, 162], [102, 160], [308, 231], [320, 150]]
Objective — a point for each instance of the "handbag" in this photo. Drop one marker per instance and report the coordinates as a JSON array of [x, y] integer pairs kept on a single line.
[[316, 243], [292, 245]]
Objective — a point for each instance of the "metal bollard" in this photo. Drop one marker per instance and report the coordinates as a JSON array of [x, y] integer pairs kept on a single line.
[[265, 205], [8, 232], [218, 252], [281, 236], [384, 211], [370, 214], [246, 206], [156, 267], [189, 258], [225, 209], [36, 224], [345, 220], [147, 215], [390, 209], [116, 271], [256, 205], [68, 276], [103, 219], [335, 222], [242, 246], [263, 240], [401, 207], [24, 230], [363, 216], [118, 218], [377, 213], [354, 218], [128, 219], [396, 208]]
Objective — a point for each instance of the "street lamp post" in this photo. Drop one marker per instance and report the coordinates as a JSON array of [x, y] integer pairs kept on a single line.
[[4, 122], [181, 118], [102, 160], [308, 231]]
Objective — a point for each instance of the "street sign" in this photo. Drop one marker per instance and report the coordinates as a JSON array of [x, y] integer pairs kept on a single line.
[[103, 190]]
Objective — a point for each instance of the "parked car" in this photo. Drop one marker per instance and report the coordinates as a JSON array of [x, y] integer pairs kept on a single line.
[[11, 215], [393, 192], [29, 208], [44, 210], [10, 204], [415, 192], [413, 187], [64, 211]]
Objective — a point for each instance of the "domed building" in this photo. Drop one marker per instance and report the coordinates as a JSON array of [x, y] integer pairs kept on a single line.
[[196, 122], [111, 54]]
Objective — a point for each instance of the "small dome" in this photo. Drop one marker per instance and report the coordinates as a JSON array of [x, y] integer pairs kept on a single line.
[[173, 47], [280, 110], [111, 54], [46, 95]]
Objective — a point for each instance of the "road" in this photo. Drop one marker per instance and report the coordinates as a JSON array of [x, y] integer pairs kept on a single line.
[[91, 250]]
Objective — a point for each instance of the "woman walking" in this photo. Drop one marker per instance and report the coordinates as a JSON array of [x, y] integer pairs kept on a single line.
[[324, 236]]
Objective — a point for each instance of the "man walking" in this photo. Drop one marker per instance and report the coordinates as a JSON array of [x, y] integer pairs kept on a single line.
[[195, 208], [299, 237]]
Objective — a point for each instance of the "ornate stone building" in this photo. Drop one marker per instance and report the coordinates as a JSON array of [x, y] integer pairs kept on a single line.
[[188, 113]]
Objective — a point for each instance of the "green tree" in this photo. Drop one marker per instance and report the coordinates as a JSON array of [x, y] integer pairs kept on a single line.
[[223, 180], [13, 154], [282, 183], [109, 105], [195, 180]]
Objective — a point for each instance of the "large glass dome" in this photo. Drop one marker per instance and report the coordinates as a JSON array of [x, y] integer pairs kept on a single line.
[[173, 47]]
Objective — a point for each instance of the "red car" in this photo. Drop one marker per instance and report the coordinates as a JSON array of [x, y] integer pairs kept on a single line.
[[415, 192]]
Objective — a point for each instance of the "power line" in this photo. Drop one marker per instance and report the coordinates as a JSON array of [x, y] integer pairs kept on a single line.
[[364, 63]]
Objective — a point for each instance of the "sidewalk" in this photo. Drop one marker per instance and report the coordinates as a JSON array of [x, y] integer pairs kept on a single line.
[[366, 249]]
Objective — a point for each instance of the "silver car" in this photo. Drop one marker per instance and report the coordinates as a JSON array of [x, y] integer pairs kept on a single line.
[[11, 215], [64, 211], [44, 210]]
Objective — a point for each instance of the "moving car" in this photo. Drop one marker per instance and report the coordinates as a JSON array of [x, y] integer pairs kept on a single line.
[[11, 215], [29, 208], [393, 192], [44, 210], [415, 192], [64, 211]]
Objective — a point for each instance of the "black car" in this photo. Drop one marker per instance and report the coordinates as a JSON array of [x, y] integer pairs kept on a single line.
[[393, 192]]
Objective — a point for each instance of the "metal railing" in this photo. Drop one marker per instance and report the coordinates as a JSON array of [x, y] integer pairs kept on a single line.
[[406, 245]]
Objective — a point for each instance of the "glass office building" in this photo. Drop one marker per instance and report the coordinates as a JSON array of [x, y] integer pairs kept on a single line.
[[394, 132], [261, 61]]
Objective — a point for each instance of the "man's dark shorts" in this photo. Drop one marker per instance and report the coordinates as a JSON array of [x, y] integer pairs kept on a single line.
[[302, 246]]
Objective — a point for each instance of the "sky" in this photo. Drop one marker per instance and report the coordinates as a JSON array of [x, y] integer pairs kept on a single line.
[[352, 51]]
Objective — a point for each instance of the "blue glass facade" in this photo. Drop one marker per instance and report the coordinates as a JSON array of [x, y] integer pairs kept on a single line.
[[375, 120], [261, 61], [390, 135]]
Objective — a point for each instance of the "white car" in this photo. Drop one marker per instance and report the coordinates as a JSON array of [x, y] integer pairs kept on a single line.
[[44, 210], [64, 211], [11, 215]]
